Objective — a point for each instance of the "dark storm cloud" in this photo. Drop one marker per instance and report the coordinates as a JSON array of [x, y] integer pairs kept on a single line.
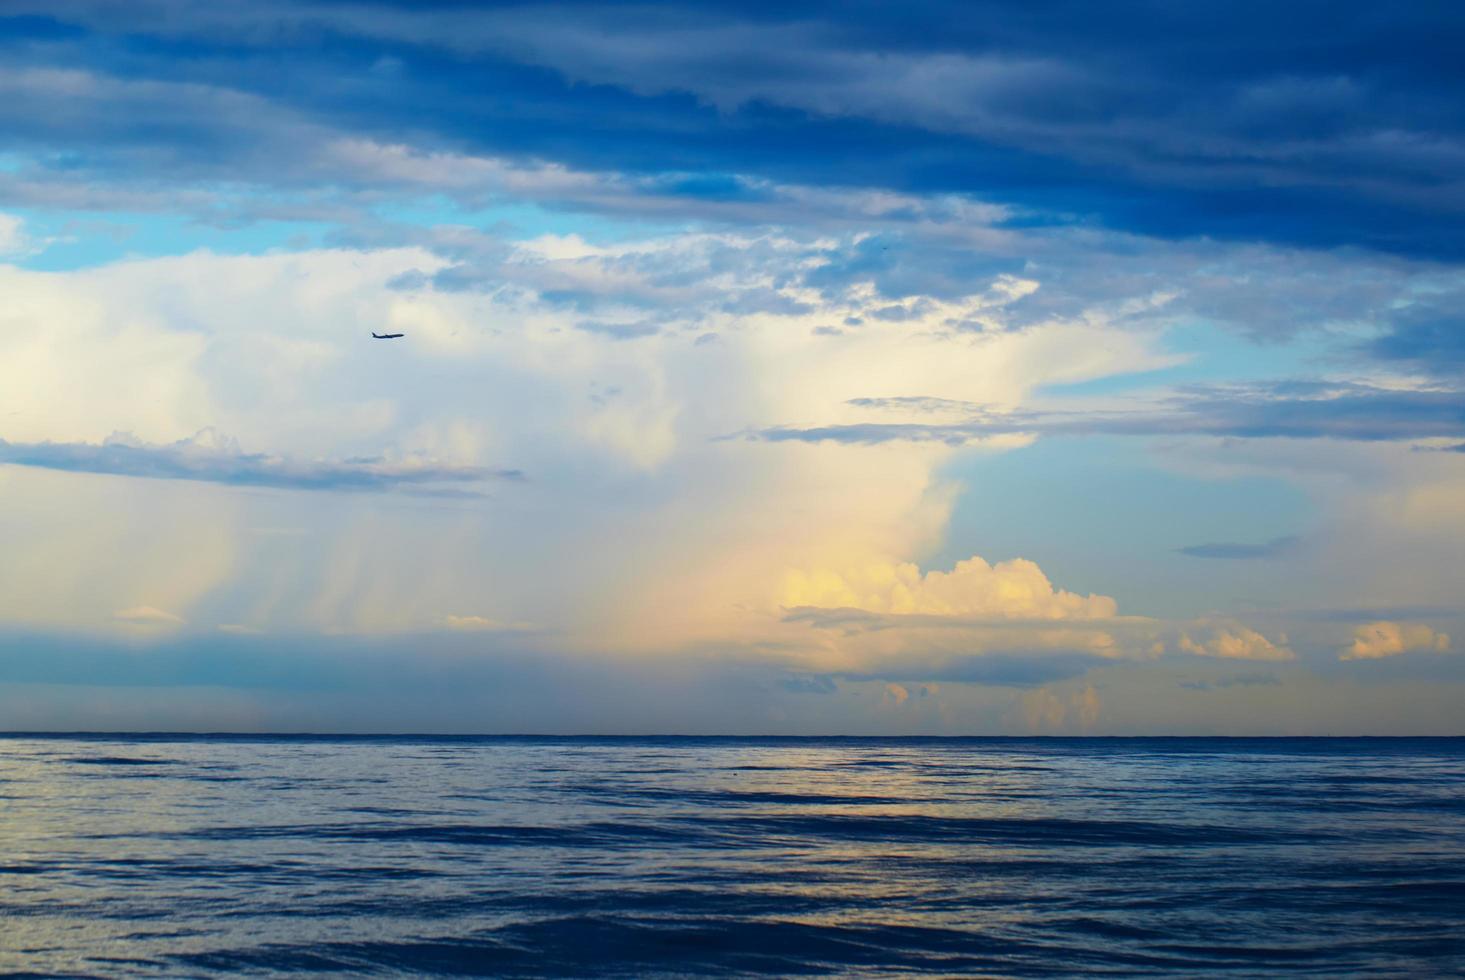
[[1428, 336], [1313, 123]]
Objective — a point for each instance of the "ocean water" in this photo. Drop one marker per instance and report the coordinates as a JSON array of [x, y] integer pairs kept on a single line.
[[303, 856]]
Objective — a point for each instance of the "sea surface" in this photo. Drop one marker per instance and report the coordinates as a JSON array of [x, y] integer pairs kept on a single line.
[[308, 856]]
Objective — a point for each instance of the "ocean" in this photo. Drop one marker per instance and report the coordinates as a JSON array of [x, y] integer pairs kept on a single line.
[[649, 857]]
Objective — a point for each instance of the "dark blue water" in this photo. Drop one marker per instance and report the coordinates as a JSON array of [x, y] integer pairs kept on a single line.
[[594, 857]]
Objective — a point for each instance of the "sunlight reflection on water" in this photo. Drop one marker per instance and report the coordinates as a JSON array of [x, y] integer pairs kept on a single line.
[[677, 856]]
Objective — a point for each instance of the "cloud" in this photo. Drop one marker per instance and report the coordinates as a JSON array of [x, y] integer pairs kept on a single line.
[[1427, 334], [17, 241], [1232, 641], [808, 684], [441, 681], [1373, 641], [912, 255], [471, 623], [1363, 613], [1017, 652], [210, 458], [1014, 589], [1240, 680], [1002, 624], [483, 624], [1294, 409], [996, 668], [617, 435], [1331, 132], [1275, 548], [13, 239], [147, 616], [1053, 710]]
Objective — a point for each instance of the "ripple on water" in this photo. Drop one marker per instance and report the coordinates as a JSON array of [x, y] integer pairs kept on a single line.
[[676, 857]]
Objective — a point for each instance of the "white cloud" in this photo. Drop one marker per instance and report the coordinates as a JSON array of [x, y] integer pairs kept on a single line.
[[621, 440], [1373, 641], [642, 527], [13, 239]]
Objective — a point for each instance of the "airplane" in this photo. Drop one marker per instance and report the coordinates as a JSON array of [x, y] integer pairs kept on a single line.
[[387, 336]]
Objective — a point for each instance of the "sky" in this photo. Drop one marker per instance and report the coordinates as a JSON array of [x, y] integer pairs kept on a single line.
[[800, 368]]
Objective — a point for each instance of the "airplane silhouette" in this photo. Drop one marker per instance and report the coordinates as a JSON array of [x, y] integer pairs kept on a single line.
[[386, 336]]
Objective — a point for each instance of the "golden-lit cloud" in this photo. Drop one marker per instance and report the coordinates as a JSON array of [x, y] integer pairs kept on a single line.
[[1003, 623], [1233, 641], [1009, 589], [1373, 641]]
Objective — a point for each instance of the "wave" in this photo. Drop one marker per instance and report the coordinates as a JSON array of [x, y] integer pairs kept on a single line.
[[667, 857]]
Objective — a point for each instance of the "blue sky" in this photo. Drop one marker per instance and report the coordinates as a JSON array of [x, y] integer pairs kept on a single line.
[[980, 367]]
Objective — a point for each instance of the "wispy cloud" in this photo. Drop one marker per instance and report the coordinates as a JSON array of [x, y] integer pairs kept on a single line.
[[147, 616], [1007, 668], [483, 624], [209, 458], [1279, 409], [1275, 548], [1240, 680]]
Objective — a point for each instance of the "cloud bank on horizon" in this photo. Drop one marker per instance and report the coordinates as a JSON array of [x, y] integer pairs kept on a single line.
[[983, 368]]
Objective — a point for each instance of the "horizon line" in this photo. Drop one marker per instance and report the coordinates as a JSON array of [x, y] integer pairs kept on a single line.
[[706, 737]]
